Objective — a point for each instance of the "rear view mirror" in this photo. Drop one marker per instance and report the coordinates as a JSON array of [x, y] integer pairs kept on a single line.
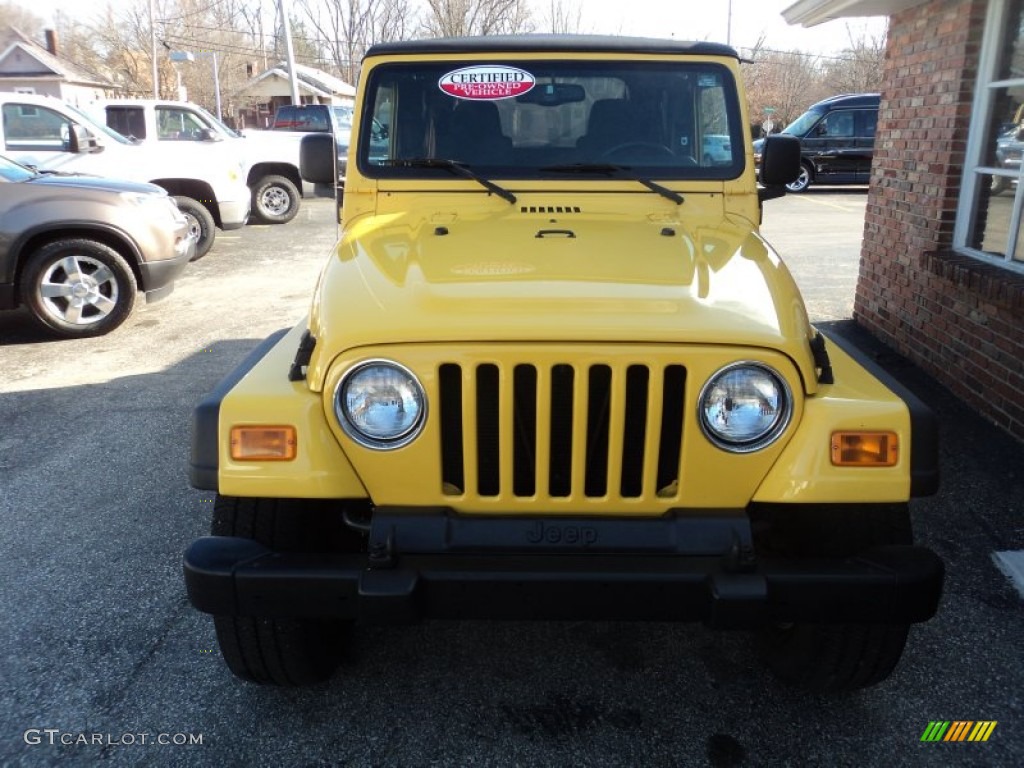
[[780, 164], [553, 94], [317, 157], [81, 141]]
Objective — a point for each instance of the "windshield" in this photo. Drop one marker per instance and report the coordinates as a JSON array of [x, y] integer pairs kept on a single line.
[[214, 121], [545, 118], [803, 124], [12, 171]]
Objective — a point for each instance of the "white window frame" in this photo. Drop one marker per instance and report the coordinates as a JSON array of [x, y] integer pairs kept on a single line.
[[974, 169]]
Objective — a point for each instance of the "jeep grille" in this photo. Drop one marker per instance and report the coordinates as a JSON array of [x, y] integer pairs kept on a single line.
[[604, 430]]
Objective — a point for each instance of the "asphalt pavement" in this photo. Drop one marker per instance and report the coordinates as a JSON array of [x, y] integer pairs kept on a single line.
[[103, 661]]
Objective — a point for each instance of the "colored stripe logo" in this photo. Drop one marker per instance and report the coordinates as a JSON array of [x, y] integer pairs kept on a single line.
[[959, 730]]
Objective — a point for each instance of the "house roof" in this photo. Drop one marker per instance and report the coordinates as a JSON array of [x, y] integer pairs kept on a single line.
[[48, 65], [811, 12], [310, 79]]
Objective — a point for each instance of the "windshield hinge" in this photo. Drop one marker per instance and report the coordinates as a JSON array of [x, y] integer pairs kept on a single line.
[[303, 354], [821, 359]]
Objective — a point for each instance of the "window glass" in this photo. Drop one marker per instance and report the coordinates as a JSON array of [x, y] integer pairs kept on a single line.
[[989, 220], [837, 125], [175, 124], [128, 121], [529, 119], [868, 123], [33, 127]]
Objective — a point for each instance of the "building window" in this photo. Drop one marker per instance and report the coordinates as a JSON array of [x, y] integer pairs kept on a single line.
[[989, 220]]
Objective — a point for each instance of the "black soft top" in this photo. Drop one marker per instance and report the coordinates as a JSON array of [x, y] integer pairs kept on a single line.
[[549, 44]]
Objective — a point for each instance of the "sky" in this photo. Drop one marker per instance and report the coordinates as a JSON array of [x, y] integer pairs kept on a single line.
[[682, 19]]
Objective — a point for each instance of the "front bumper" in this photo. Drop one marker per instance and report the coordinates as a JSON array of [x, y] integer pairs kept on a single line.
[[157, 277], [679, 568], [234, 213]]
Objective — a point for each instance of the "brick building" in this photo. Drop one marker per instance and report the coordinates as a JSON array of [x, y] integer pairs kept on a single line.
[[942, 264]]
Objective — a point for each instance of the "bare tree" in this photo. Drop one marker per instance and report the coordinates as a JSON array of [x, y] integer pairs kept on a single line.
[[857, 68], [782, 84], [562, 17], [454, 18], [16, 15], [346, 28]]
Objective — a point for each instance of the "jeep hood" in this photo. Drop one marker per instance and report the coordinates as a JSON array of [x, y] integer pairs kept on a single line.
[[509, 276]]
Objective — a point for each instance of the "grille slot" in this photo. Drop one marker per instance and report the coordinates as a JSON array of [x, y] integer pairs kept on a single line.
[[560, 431], [549, 209]]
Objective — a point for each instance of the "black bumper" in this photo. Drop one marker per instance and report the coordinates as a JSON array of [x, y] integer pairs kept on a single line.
[[650, 572]]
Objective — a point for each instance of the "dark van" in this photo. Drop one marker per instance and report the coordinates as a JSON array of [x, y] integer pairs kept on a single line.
[[837, 138]]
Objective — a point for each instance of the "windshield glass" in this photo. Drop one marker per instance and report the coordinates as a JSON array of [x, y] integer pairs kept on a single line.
[[543, 119], [12, 171], [803, 124], [214, 121]]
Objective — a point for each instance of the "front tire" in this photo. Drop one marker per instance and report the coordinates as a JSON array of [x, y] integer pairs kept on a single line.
[[200, 224], [285, 652], [76, 287], [275, 200], [836, 657], [803, 181]]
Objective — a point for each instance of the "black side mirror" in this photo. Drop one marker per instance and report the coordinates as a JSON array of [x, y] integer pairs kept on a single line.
[[780, 165], [81, 141], [318, 156]]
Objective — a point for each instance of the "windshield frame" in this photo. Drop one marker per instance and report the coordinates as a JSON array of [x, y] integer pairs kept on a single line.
[[559, 69]]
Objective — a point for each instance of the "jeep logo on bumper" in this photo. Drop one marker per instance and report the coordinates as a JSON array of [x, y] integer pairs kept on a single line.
[[573, 535]]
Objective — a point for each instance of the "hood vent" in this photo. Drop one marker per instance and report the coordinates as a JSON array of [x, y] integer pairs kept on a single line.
[[549, 209]]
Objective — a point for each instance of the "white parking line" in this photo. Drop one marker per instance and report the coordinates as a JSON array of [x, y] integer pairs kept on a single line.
[[1012, 564]]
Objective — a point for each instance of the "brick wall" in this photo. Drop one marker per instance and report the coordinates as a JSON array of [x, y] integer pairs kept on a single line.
[[958, 318]]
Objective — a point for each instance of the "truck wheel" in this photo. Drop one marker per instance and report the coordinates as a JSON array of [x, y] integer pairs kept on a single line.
[[275, 200], [200, 224], [803, 181], [837, 657], [76, 287], [286, 652]]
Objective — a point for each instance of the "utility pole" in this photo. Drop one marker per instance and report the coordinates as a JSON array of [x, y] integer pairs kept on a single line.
[[289, 50], [152, 34]]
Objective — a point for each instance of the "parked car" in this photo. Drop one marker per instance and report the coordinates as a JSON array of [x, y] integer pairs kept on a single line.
[[335, 119], [270, 160], [837, 141], [552, 370], [303, 119], [207, 183], [75, 249]]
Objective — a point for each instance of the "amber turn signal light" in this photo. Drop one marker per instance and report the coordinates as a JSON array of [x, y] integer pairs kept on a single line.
[[263, 443], [864, 449]]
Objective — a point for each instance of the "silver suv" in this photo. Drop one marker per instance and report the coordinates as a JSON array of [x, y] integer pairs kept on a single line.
[[75, 250]]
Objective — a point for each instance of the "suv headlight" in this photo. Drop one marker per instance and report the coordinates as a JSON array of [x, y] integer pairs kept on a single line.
[[745, 407], [380, 404], [157, 204]]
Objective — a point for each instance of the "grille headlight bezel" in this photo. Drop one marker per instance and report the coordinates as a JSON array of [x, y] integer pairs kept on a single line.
[[411, 393], [723, 384]]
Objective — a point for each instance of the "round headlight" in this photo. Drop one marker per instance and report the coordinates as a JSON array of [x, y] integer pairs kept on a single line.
[[744, 407], [380, 404]]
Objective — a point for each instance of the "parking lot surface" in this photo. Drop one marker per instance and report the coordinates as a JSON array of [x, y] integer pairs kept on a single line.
[[103, 661]]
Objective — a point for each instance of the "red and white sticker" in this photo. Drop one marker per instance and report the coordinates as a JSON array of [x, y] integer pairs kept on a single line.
[[486, 82]]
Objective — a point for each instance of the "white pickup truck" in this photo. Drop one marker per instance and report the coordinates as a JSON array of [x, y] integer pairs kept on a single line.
[[208, 184], [270, 160]]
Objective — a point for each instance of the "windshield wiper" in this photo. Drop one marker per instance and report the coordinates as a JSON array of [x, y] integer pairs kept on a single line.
[[611, 168], [456, 167]]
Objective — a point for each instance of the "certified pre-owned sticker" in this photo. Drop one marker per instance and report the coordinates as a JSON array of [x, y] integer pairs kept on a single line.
[[487, 82]]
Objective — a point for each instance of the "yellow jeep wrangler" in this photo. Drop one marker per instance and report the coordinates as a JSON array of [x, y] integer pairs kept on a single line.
[[552, 371]]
